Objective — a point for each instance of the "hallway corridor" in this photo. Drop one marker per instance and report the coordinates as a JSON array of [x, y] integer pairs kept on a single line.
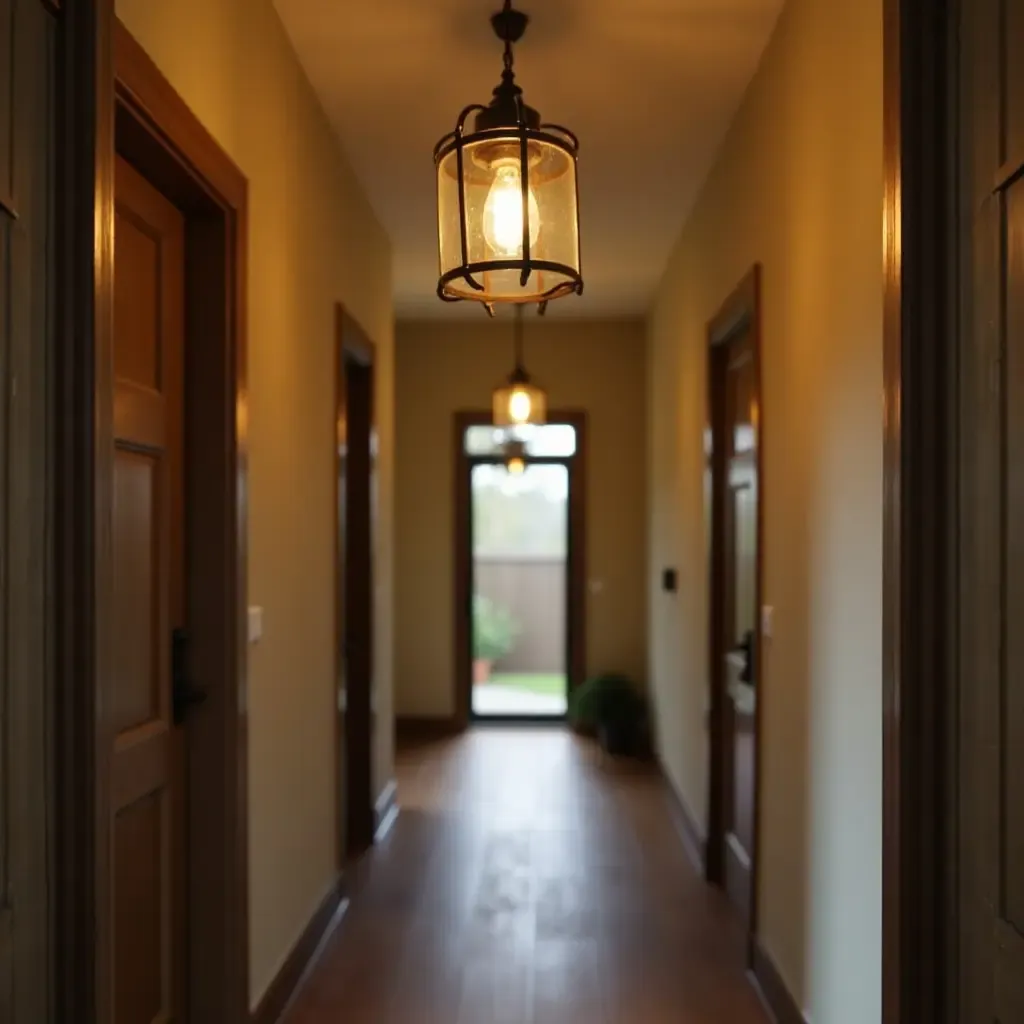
[[529, 882]]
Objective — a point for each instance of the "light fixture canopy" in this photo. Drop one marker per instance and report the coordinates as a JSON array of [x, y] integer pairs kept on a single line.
[[507, 198], [519, 400]]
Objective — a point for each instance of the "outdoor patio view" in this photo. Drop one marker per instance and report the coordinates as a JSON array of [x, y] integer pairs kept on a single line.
[[520, 533]]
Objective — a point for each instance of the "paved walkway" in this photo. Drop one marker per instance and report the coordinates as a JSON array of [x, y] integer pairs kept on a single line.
[[495, 699]]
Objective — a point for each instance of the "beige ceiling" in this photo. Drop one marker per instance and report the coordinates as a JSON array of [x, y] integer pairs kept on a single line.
[[649, 86]]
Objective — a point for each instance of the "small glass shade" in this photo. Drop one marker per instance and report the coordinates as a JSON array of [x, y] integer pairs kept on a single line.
[[487, 199], [518, 402], [515, 456]]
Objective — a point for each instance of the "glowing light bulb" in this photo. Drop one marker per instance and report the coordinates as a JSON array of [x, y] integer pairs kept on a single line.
[[519, 406], [503, 213], [516, 467]]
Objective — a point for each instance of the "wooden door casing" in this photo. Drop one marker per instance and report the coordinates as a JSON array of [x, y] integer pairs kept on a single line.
[[147, 819], [28, 49], [734, 510], [739, 616]]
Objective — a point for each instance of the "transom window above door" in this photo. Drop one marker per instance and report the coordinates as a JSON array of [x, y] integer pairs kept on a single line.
[[551, 440]]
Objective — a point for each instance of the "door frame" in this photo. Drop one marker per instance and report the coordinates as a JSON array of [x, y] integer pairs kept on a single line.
[[576, 568], [355, 721], [115, 99], [921, 252], [740, 312]]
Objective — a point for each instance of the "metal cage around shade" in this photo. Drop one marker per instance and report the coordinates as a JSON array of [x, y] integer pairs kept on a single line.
[[507, 198]]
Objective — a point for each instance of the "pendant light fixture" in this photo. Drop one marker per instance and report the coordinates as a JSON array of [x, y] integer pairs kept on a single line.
[[514, 452], [519, 401], [507, 199]]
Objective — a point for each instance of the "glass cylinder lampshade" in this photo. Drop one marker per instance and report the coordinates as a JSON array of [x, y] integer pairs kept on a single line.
[[507, 215], [518, 402]]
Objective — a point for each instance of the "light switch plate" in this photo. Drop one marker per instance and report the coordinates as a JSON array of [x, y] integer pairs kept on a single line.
[[255, 624], [767, 621]]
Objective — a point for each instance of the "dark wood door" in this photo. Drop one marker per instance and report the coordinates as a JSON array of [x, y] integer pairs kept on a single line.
[[356, 475], [27, 233], [147, 815], [991, 783], [738, 614]]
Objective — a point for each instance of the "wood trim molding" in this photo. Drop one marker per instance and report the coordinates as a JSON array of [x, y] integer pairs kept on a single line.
[[920, 247], [385, 811], [412, 729], [141, 86], [85, 266], [741, 310], [303, 958], [105, 81], [691, 834], [773, 989], [578, 551]]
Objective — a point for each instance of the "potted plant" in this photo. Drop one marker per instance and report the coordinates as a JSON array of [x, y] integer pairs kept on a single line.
[[494, 632], [611, 708]]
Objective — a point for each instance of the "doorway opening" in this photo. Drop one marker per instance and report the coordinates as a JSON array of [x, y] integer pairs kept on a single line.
[[354, 585], [733, 475], [519, 597]]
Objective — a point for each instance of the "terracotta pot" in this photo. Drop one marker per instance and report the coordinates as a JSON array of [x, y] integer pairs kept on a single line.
[[481, 671]]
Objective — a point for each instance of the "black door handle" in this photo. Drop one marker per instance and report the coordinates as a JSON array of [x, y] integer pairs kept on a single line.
[[184, 694], [746, 648]]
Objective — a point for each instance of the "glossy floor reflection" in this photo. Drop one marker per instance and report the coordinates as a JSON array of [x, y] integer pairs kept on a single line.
[[529, 881]]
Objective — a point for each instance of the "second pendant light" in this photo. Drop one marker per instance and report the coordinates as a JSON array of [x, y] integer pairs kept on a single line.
[[519, 401]]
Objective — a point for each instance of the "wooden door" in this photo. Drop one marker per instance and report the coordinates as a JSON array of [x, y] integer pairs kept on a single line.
[[356, 470], [738, 614], [27, 234], [147, 814], [991, 772]]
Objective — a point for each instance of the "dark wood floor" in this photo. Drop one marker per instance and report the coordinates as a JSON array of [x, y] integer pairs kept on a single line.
[[529, 882]]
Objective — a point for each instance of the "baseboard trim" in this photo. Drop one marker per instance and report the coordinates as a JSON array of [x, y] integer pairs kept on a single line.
[[416, 728], [385, 811], [692, 835], [304, 956], [772, 989]]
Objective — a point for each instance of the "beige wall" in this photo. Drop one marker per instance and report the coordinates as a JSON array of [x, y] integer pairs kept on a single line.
[[313, 240], [798, 186], [445, 367]]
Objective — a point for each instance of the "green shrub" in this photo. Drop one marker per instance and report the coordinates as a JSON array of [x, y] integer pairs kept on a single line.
[[494, 629], [609, 699]]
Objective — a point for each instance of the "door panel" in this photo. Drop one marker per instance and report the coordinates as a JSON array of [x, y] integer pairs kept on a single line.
[[27, 232], [148, 832], [739, 614], [991, 763]]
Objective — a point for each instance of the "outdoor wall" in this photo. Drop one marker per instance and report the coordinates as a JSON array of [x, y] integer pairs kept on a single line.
[[313, 240], [798, 187], [444, 367], [533, 591]]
